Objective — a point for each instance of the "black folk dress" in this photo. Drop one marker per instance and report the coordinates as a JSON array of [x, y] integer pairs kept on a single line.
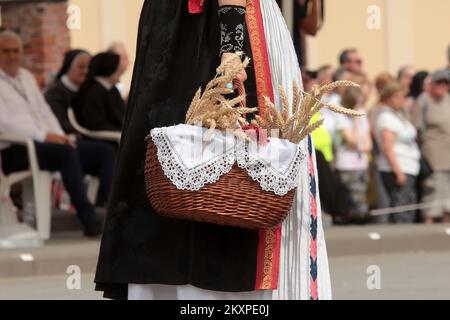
[[176, 53]]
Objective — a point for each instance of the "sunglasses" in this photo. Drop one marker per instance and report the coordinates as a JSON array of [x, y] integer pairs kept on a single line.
[[443, 81], [357, 61]]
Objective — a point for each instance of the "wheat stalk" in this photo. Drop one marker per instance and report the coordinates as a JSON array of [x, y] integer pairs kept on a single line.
[[334, 85], [212, 109], [346, 111], [298, 126]]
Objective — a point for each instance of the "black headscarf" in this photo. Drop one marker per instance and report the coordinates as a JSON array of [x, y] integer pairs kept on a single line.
[[69, 58], [103, 64]]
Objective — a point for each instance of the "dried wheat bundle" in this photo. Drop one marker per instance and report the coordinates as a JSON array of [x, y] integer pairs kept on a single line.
[[294, 124], [211, 109]]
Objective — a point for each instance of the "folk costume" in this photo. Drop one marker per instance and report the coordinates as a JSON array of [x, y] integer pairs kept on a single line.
[[146, 256]]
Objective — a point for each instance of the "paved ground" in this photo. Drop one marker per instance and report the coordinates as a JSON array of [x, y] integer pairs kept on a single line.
[[411, 275], [403, 276], [413, 263], [47, 288]]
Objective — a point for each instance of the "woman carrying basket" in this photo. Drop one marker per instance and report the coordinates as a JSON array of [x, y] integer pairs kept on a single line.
[[146, 256]]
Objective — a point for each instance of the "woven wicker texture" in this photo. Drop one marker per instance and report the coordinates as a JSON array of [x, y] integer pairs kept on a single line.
[[235, 200]]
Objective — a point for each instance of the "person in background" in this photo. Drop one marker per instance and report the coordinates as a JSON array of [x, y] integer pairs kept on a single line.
[[380, 83], [324, 157], [405, 77], [366, 86], [67, 82], [24, 112], [120, 49], [98, 104], [431, 115], [308, 17], [329, 117], [399, 158], [351, 61], [419, 84], [97, 157], [353, 144], [380, 195], [325, 75], [309, 79]]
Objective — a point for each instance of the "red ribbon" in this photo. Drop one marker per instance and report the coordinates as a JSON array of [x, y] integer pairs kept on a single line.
[[261, 134], [196, 6]]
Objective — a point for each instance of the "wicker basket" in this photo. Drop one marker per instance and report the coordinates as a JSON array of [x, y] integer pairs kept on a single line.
[[235, 200]]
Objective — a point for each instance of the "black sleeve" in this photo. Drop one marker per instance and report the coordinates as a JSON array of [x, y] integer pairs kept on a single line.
[[117, 108], [232, 29], [59, 105], [94, 109]]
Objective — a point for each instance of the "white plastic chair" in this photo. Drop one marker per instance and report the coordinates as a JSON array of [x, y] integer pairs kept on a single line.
[[36, 182], [113, 136], [36, 187]]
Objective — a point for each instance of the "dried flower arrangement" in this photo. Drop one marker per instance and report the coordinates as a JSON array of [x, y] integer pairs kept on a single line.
[[212, 110]]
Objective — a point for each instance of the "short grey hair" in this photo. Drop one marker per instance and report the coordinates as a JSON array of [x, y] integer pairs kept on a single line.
[[9, 34], [403, 70]]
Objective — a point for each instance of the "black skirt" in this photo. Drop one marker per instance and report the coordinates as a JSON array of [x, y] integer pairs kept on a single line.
[[177, 52]]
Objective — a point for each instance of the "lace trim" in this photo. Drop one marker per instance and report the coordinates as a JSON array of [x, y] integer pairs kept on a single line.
[[190, 179], [268, 179], [211, 171]]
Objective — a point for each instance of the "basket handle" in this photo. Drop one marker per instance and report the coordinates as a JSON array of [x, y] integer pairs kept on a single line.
[[241, 90]]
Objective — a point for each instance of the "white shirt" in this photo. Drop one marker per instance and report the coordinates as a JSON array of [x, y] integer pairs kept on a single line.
[[23, 109], [349, 159], [405, 146], [330, 118]]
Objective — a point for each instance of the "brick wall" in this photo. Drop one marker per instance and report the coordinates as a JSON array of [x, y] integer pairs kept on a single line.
[[42, 27]]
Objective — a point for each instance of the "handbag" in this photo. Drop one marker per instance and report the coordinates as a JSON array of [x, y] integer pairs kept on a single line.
[[426, 170]]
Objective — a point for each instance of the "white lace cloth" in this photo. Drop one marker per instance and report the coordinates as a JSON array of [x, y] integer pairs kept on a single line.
[[190, 162]]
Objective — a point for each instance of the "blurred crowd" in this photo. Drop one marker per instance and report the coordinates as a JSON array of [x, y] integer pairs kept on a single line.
[[87, 85], [396, 156]]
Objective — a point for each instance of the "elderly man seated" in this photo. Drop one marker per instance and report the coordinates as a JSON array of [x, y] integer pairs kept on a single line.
[[24, 112]]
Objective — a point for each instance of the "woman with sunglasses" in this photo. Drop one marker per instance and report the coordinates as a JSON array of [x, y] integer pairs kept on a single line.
[[431, 115]]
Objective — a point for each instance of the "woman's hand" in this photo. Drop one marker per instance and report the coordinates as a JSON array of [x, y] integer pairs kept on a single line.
[[241, 76], [59, 139], [401, 179]]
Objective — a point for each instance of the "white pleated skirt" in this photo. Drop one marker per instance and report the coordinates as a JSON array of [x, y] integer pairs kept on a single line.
[[294, 269]]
